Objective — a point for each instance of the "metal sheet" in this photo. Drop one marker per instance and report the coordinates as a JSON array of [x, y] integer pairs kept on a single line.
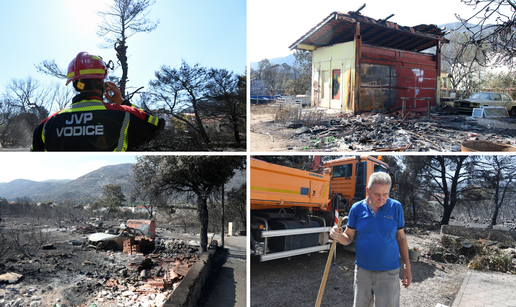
[[387, 75]]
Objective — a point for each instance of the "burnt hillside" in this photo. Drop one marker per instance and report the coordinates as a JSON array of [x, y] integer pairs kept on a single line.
[[87, 187]]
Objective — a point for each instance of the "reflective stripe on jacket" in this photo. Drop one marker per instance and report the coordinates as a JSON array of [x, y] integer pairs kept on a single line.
[[90, 124]]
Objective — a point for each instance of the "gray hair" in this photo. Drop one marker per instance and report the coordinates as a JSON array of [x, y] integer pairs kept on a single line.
[[379, 178]]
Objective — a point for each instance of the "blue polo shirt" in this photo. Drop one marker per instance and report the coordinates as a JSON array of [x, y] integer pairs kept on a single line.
[[376, 245]]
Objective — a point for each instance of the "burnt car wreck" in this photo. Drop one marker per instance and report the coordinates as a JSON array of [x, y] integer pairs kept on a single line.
[[128, 239]]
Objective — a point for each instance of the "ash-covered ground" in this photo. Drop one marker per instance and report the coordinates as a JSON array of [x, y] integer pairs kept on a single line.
[[330, 130], [67, 272]]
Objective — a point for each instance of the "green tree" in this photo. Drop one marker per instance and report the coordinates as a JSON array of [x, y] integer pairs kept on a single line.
[[187, 176], [226, 99], [183, 89], [302, 71], [112, 197]]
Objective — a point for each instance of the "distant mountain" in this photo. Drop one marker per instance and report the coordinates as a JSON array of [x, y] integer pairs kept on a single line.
[[289, 59], [86, 188], [456, 25]]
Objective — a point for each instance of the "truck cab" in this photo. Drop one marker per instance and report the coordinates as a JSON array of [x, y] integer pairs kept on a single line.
[[292, 210], [350, 177]]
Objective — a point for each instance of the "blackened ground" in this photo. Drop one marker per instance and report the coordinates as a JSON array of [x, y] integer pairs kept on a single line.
[[375, 132], [74, 274]]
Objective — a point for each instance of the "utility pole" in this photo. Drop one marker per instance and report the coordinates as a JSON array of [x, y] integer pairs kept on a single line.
[[222, 235]]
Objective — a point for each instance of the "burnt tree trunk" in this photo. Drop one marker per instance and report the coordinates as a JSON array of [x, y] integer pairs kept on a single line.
[[450, 196], [202, 208], [236, 132], [121, 54], [200, 125]]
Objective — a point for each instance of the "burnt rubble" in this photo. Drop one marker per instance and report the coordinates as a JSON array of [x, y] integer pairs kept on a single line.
[[76, 275], [391, 132], [478, 248], [174, 247]]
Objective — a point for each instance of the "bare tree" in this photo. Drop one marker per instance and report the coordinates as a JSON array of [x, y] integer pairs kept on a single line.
[[461, 63], [492, 28], [22, 107], [412, 187], [121, 20], [237, 204], [297, 162], [50, 67], [61, 95], [496, 174], [27, 239], [448, 178]]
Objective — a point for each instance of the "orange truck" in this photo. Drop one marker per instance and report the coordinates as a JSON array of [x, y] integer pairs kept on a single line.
[[292, 211]]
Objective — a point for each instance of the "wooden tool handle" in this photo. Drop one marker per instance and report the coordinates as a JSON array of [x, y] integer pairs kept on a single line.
[[327, 269]]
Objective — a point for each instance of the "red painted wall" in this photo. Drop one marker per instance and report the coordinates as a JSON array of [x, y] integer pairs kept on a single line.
[[387, 75]]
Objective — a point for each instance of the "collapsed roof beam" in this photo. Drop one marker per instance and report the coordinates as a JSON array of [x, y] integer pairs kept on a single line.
[[358, 11], [383, 20]]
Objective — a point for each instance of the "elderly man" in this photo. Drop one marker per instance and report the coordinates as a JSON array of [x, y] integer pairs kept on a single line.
[[378, 223]]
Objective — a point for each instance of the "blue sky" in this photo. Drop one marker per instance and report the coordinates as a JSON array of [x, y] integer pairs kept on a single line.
[[211, 33], [40, 167], [275, 25]]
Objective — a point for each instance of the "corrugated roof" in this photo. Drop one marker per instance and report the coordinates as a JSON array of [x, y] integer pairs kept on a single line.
[[339, 28]]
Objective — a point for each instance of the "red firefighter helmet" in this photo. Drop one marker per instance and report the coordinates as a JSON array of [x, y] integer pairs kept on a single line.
[[86, 66]]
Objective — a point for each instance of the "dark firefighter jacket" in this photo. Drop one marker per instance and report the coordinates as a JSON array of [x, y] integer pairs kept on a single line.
[[90, 124]]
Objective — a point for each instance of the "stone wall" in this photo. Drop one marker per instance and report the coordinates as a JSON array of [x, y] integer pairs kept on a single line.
[[189, 290]]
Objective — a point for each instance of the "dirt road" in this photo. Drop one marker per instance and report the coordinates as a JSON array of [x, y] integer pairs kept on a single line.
[[296, 282]]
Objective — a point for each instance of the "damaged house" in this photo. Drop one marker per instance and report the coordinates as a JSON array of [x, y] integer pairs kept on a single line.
[[360, 63]]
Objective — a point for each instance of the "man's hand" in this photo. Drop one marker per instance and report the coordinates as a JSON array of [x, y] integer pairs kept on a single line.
[[335, 233], [407, 277], [116, 97]]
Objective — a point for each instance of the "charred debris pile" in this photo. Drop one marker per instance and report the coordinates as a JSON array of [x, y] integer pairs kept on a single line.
[[476, 248], [373, 131], [71, 273]]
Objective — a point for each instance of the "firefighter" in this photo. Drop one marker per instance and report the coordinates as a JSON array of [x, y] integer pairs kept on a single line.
[[90, 124]]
